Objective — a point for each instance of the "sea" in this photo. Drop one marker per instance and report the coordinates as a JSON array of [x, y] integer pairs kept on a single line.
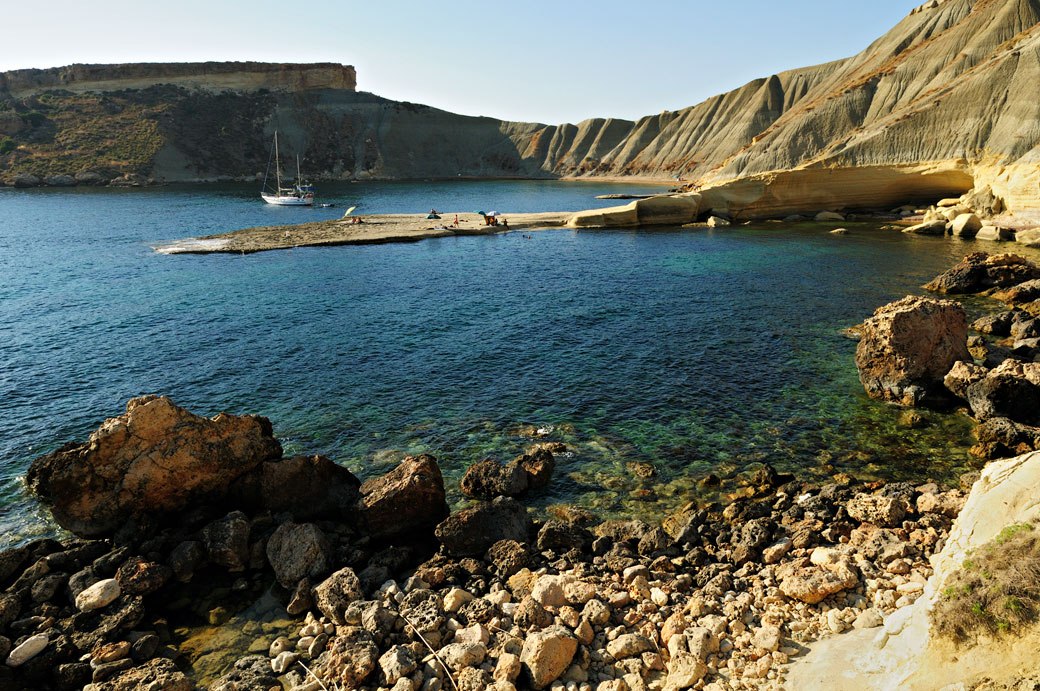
[[657, 356]]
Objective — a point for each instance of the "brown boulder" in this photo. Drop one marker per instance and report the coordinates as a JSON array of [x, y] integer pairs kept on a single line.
[[488, 479], [409, 498], [157, 458], [909, 346], [981, 271], [473, 531], [307, 486]]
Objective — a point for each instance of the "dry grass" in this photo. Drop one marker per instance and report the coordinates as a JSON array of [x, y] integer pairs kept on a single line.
[[997, 589]]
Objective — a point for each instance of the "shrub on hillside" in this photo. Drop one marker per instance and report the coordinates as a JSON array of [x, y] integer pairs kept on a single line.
[[6, 146], [996, 590]]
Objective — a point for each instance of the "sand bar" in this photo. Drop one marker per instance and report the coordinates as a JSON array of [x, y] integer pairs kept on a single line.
[[375, 229]]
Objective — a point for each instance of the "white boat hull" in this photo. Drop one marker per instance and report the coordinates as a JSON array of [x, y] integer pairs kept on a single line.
[[288, 201]]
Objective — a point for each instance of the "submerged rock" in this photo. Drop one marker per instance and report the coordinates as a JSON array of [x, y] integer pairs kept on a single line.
[[157, 458], [909, 346]]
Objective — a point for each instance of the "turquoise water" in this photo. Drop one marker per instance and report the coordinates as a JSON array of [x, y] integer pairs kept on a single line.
[[693, 350]]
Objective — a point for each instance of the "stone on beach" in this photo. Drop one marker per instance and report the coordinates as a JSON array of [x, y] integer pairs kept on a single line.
[[473, 531], [298, 550], [547, 654], [980, 271], [408, 499], [29, 649], [99, 595]]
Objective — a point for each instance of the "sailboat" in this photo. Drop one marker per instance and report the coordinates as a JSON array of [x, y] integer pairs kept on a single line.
[[298, 195]]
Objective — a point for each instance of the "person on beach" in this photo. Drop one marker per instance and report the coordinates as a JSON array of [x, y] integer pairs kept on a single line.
[[455, 223], [505, 224]]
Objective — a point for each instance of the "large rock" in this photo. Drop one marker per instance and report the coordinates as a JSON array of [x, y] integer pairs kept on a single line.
[[349, 659], [488, 479], [1027, 291], [811, 584], [965, 225], [227, 541], [405, 501], [472, 531], [961, 376], [60, 181], [159, 674], [297, 551], [306, 486], [156, 459], [981, 271], [884, 511], [909, 346], [547, 654], [927, 228], [1011, 390], [336, 592]]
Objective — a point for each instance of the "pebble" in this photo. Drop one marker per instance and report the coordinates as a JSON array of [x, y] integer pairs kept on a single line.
[[98, 595], [29, 649]]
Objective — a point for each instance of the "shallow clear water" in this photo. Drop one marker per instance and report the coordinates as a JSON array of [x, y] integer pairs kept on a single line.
[[694, 350]]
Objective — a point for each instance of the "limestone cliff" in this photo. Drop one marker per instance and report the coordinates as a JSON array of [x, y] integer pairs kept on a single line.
[[213, 76], [943, 102]]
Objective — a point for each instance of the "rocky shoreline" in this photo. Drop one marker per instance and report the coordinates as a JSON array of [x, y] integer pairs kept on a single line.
[[390, 591]]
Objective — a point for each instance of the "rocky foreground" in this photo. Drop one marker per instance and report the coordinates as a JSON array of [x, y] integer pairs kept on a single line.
[[390, 591]]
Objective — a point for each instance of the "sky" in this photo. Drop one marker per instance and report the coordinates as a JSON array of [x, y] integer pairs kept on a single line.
[[535, 60]]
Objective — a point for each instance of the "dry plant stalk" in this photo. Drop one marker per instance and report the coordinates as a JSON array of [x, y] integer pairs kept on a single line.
[[430, 648]]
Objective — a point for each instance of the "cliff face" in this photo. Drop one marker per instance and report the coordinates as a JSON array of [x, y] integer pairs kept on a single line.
[[213, 76], [942, 103]]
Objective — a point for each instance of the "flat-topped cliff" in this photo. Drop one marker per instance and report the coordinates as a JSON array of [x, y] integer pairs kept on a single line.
[[941, 104], [217, 76]]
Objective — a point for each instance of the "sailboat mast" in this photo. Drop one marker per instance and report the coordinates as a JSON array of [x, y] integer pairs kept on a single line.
[[277, 166]]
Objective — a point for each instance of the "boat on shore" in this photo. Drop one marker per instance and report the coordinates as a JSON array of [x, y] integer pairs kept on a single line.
[[297, 195]]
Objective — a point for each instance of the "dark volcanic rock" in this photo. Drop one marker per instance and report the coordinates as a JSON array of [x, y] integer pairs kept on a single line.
[[907, 348], [155, 459], [509, 556], [407, 500], [980, 271], [473, 531], [560, 537]]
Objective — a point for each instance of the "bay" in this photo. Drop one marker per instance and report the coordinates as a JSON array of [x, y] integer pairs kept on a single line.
[[690, 350]]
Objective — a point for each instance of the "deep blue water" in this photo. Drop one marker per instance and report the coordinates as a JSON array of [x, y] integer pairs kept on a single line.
[[694, 350]]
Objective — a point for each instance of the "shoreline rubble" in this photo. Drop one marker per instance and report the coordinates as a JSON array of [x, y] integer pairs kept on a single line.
[[491, 598]]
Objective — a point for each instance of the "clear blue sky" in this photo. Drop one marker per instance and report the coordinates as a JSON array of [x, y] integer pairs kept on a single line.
[[552, 62]]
